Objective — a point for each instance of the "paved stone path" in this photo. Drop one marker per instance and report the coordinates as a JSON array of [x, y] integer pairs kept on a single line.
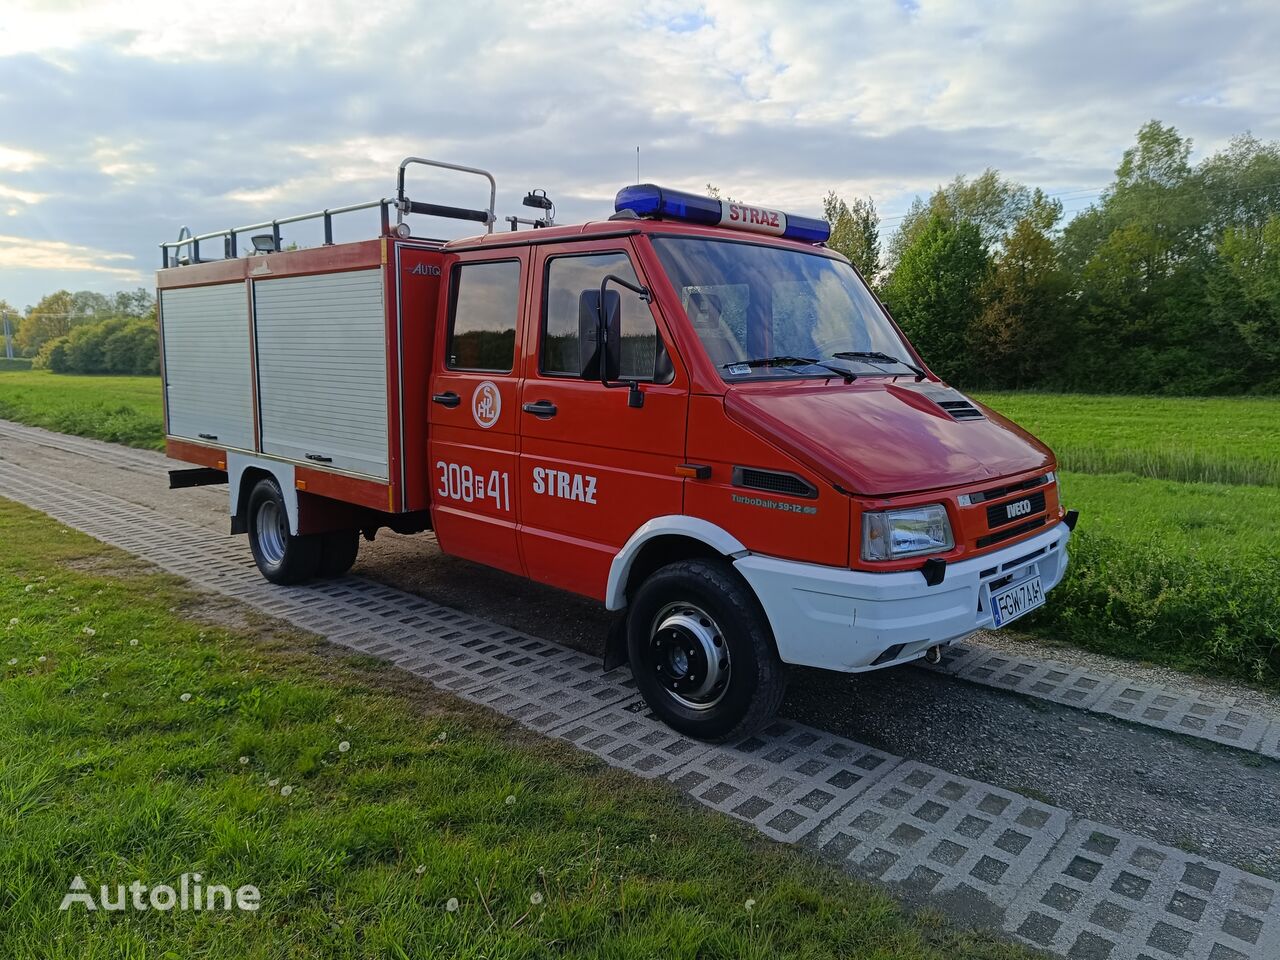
[[1222, 718], [1071, 886]]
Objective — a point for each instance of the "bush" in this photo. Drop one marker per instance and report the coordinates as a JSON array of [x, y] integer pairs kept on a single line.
[[1216, 613], [17, 363], [118, 345]]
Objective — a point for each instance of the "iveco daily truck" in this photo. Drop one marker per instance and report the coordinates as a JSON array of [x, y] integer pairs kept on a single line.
[[691, 411]]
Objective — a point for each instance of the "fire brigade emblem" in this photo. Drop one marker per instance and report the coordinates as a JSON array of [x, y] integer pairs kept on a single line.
[[486, 404]]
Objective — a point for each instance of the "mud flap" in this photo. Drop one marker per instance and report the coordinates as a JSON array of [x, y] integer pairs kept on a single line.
[[615, 644]]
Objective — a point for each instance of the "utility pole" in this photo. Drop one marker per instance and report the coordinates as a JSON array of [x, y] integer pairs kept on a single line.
[[8, 336]]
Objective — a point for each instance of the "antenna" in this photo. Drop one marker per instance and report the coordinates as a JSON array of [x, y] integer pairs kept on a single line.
[[637, 163]]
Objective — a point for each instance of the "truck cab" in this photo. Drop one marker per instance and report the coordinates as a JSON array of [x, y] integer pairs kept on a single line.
[[697, 414]]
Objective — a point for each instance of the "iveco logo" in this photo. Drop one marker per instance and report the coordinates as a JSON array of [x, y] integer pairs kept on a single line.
[[425, 270], [1019, 509]]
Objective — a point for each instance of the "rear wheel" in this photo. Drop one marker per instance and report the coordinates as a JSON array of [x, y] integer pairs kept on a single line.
[[702, 652], [338, 552], [283, 557]]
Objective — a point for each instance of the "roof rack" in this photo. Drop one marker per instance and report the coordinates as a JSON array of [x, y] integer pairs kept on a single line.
[[172, 255]]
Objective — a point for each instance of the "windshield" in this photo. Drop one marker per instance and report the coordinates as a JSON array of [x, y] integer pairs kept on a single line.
[[749, 302]]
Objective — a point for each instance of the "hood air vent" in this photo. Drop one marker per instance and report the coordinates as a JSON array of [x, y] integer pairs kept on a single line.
[[955, 403], [961, 409], [774, 481]]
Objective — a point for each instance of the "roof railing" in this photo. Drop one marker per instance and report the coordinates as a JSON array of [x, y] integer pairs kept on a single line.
[[172, 255]]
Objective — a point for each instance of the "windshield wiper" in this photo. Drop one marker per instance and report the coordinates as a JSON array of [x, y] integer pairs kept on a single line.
[[788, 361], [875, 356]]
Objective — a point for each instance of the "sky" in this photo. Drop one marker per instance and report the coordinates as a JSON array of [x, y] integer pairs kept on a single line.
[[123, 120]]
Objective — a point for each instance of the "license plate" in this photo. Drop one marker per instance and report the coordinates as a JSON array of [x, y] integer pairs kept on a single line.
[[1013, 602]]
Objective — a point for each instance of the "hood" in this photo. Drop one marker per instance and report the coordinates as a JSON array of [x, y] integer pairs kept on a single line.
[[877, 439]]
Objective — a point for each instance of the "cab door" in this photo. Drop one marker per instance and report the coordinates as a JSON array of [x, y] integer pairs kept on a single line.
[[475, 417], [593, 468]]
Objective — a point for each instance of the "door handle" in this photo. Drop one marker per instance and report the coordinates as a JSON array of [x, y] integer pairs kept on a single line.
[[540, 408], [449, 399]]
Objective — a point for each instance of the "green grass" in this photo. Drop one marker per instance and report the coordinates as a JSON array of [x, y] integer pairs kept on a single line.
[[123, 410], [1209, 440], [110, 771], [1182, 574]]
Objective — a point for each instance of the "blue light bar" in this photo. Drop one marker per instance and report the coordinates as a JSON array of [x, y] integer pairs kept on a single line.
[[650, 200]]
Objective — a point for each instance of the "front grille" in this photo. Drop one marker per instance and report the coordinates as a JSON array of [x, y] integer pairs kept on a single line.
[[998, 514], [1009, 533], [774, 481], [995, 493]]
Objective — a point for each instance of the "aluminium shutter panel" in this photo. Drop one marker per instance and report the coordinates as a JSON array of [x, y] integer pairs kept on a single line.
[[207, 383], [322, 369]]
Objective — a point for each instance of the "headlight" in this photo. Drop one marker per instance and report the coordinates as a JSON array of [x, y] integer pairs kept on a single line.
[[893, 534]]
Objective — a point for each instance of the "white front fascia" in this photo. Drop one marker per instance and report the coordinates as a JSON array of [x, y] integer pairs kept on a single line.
[[839, 619]]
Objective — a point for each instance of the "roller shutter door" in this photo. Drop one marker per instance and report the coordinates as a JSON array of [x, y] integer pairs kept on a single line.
[[322, 369], [208, 389]]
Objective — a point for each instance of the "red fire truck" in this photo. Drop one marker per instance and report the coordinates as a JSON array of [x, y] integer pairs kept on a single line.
[[692, 411]]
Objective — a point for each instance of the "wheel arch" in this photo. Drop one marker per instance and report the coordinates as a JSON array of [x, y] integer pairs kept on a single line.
[[243, 472], [664, 540]]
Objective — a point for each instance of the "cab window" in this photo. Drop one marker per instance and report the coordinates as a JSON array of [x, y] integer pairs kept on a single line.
[[643, 356], [482, 316]]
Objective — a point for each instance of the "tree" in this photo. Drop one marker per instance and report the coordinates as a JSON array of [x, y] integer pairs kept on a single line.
[[855, 232], [138, 303], [989, 201], [51, 318], [1246, 293], [1025, 326], [935, 293]]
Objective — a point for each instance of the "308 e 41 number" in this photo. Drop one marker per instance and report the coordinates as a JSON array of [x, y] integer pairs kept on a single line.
[[460, 482]]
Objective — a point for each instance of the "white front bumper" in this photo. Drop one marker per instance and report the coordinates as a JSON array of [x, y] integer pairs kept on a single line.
[[848, 620]]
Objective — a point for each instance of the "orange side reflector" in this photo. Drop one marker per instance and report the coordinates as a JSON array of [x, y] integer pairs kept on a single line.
[[300, 484], [222, 464], [695, 471]]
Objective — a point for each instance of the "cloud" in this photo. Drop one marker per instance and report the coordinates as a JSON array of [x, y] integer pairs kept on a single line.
[[21, 253], [121, 121]]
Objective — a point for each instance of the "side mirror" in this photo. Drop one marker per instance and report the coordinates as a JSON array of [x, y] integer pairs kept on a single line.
[[589, 335]]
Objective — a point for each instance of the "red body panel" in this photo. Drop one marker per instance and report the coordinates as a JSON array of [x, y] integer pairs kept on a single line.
[[869, 439], [820, 536]]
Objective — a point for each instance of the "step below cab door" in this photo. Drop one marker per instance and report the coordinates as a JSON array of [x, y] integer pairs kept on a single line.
[[593, 468], [475, 416]]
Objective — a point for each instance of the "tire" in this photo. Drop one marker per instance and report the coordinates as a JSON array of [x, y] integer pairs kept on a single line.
[[683, 615], [281, 556], [338, 552]]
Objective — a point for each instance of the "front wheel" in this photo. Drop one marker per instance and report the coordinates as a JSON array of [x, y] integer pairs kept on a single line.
[[702, 652]]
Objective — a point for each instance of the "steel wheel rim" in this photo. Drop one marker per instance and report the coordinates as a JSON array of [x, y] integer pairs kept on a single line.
[[272, 532], [689, 656]]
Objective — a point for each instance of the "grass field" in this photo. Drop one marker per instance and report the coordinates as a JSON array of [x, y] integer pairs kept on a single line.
[[1177, 556], [119, 409], [1176, 560], [1210, 440], [1183, 574], [138, 743]]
